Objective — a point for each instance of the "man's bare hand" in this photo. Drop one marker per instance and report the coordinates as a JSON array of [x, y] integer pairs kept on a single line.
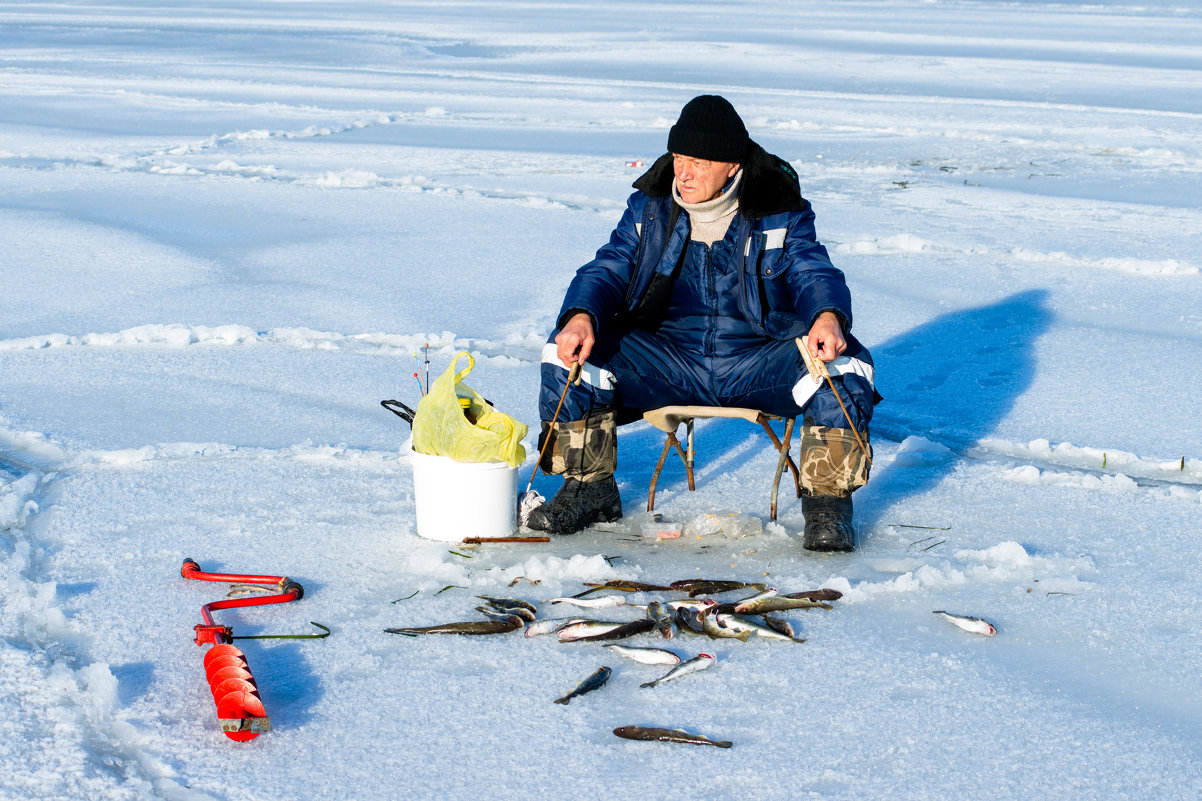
[[575, 340], [826, 337]]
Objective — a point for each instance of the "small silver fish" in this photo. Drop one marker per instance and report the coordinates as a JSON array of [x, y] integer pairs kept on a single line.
[[717, 631], [586, 628], [507, 603], [628, 629], [699, 662], [600, 602], [593, 681], [645, 656], [497, 613], [973, 624], [549, 625], [739, 624], [690, 603], [779, 625]]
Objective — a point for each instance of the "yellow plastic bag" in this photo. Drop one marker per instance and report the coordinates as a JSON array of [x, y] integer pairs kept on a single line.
[[475, 432]]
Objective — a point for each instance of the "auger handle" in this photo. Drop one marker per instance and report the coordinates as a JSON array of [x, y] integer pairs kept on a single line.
[[191, 570]]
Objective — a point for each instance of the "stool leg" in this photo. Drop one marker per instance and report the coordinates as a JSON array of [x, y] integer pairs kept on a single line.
[[688, 462], [783, 448], [655, 476], [789, 459]]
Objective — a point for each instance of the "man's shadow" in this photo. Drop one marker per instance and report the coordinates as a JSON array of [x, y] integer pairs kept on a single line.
[[951, 381]]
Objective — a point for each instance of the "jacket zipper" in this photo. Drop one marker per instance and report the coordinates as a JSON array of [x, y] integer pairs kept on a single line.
[[712, 301]]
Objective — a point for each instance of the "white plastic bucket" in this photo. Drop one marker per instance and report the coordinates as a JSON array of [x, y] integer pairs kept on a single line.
[[463, 499]]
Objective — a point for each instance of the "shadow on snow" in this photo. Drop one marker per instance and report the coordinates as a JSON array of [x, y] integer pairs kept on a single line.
[[952, 381]]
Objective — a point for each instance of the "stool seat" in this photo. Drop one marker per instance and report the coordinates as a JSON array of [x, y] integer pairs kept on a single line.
[[669, 418]]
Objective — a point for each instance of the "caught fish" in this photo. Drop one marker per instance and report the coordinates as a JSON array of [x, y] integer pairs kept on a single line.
[[500, 614], [508, 623], [717, 631], [595, 680], [973, 624], [817, 595], [688, 617], [699, 662], [508, 603], [697, 586], [586, 628], [659, 614], [620, 633], [667, 736], [621, 585], [549, 625], [776, 624], [690, 603], [600, 602], [740, 624], [766, 592], [776, 603], [645, 656], [715, 587]]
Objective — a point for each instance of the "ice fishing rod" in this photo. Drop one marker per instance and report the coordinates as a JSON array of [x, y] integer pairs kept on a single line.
[[524, 500], [818, 371], [240, 710]]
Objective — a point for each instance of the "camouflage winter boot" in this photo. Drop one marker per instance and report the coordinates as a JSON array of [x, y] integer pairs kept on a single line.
[[833, 465], [586, 453]]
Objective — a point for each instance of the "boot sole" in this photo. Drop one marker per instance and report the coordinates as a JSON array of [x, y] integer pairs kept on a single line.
[[602, 517], [835, 545], [829, 548]]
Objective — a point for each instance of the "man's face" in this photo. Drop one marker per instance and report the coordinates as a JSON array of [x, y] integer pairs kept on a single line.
[[698, 180]]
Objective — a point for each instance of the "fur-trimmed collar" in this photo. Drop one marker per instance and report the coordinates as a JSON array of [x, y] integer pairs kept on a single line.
[[770, 185]]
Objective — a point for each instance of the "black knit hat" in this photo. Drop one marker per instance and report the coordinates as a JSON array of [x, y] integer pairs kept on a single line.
[[709, 128]]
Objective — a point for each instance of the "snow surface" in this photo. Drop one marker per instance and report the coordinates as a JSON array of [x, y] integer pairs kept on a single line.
[[229, 226]]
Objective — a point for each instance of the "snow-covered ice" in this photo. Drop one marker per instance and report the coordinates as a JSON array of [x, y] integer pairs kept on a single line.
[[230, 229]]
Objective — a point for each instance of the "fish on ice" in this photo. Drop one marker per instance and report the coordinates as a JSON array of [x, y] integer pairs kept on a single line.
[[586, 628], [508, 603], [739, 624], [508, 623], [600, 602], [645, 656], [662, 618], [667, 735], [699, 662], [593, 681], [549, 625], [973, 624], [628, 629]]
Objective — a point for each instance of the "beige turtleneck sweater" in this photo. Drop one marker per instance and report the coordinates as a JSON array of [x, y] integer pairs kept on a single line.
[[709, 220]]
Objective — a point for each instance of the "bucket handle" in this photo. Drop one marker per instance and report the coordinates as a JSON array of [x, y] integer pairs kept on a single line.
[[399, 409]]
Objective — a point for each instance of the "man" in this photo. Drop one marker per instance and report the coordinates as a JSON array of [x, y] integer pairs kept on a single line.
[[710, 275]]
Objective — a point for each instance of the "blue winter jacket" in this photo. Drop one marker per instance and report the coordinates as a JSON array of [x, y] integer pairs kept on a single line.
[[785, 280]]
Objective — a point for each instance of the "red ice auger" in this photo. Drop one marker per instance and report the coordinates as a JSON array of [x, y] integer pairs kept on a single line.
[[239, 707]]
